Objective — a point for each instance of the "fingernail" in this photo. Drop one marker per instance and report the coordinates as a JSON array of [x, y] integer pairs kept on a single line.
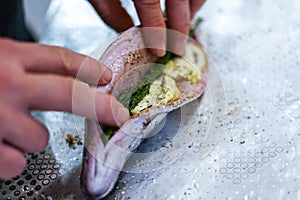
[[123, 115], [155, 39], [107, 74], [179, 47], [161, 46], [158, 52]]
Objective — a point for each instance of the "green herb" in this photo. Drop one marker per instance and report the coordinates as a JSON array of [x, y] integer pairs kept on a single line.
[[143, 88], [108, 132], [124, 97], [165, 59], [138, 95], [131, 98], [196, 25]]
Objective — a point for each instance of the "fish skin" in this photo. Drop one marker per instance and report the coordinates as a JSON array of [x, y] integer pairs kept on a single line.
[[124, 54], [102, 163]]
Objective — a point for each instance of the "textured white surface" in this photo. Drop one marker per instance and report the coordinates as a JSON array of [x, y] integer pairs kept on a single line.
[[254, 45], [35, 12]]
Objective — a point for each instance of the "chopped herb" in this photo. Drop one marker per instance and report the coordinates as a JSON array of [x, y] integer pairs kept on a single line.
[[124, 97], [108, 132], [196, 25], [165, 59], [138, 95], [131, 98]]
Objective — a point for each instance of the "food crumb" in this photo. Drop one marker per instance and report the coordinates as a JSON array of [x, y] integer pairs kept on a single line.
[[73, 140]]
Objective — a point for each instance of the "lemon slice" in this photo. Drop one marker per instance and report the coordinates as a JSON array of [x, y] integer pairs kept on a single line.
[[189, 66]]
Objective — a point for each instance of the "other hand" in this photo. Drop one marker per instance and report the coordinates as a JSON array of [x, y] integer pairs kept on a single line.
[[40, 77], [178, 12]]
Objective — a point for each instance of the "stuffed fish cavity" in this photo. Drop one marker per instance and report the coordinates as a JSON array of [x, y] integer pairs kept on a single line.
[[149, 87]]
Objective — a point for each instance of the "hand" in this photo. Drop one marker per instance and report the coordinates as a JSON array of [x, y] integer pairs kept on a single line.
[[179, 14], [40, 77]]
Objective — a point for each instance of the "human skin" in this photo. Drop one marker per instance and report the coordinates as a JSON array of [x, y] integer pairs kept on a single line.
[[178, 12], [40, 77]]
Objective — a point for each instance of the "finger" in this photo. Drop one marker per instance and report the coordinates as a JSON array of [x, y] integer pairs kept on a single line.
[[113, 14], [150, 15], [12, 161], [178, 16], [28, 136], [42, 58], [195, 5], [67, 94]]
